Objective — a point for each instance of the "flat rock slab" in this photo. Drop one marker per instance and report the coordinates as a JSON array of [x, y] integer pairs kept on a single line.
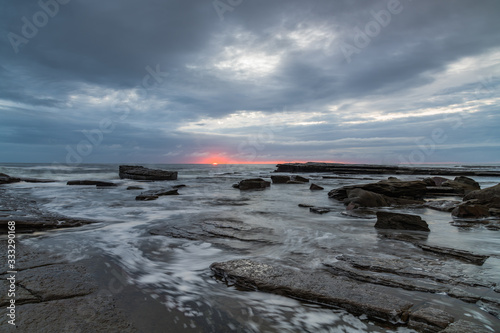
[[155, 194], [430, 319], [316, 286], [467, 256], [91, 313], [142, 173], [463, 326]]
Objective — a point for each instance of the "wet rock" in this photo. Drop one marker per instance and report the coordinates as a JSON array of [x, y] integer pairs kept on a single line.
[[436, 181], [390, 188], [305, 205], [155, 194], [142, 173], [442, 191], [131, 188], [300, 179], [467, 256], [430, 319], [90, 183], [6, 179], [462, 185], [280, 179], [387, 220], [320, 210], [442, 205], [252, 184], [463, 326], [179, 186], [489, 197], [318, 286], [470, 210], [315, 187], [358, 197]]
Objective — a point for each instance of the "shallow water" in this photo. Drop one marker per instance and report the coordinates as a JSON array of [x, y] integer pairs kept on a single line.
[[175, 271]]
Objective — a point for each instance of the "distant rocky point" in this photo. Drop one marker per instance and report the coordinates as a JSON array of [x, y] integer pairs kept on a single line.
[[367, 169], [142, 173]]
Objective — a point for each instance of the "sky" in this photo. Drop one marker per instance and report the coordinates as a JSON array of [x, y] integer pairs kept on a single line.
[[249, 81]]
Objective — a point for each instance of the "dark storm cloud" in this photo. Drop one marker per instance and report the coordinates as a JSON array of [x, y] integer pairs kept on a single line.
[[171, 64]]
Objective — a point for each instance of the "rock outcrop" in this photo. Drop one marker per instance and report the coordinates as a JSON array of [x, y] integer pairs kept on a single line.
[[252, 184], [367, 169], [318, 286], [315, 187], [6, 179], [142, 173], [387, 220]]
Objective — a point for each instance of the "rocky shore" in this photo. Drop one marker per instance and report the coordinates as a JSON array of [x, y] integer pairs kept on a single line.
[[408, 282]]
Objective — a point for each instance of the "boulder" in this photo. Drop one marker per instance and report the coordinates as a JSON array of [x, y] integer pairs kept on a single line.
[[142, 173], [462, 185], [280, 179], [90, 183], [394, 188], [387, 220], [315, 187], [155, 194], [252, 184], [470, 210], [487, 195], [300, 179], [358, 197]]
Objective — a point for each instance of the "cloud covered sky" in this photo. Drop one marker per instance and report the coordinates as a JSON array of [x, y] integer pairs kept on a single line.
[[202, 81]]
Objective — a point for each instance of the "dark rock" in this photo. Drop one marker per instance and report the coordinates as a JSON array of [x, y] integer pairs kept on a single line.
[[300, 179], [130, 188], [430, 320], [437, 181], [305, 206], [6, 179], [387, 220], [142, 173], [320, 210], [294, 182], [470, 210], [39, 181], [443, 191], [179, 186], [317, 286], [366, 169], [252, 184], [463, 326], [280, 179], [358, 197], [489, 196], [462, 185], [467, 256], [442, 205], [315, 187], [90, 182], [155, 194], [391, 188]]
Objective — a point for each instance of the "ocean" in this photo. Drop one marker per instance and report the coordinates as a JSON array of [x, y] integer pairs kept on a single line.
[[162, 249]]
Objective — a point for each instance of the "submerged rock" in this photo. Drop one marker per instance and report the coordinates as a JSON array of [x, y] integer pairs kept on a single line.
[[467, 256], [155, 194], [91, 183], [320, 210], [442, 205], [142, 173], [252, 184], [315, 187], [387, 220], [317, 286], [6, 179]]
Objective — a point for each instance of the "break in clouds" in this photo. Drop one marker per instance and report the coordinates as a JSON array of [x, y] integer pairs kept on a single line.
[[249, 81]]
